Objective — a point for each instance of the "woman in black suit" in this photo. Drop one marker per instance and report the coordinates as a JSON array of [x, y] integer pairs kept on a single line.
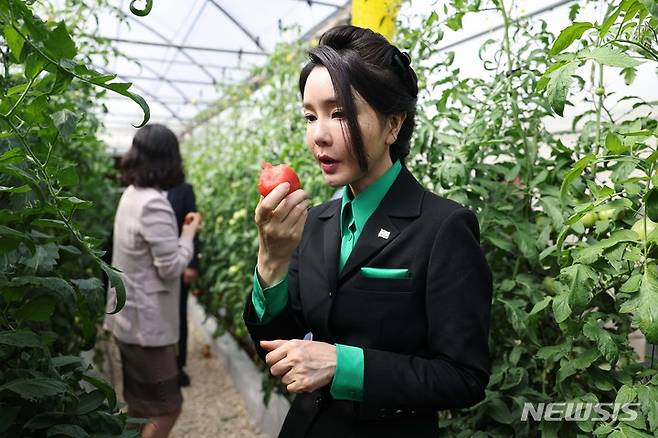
[[390, 279]]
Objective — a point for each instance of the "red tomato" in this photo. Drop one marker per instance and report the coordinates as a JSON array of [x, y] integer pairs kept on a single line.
[[272, 176], [189, 217]]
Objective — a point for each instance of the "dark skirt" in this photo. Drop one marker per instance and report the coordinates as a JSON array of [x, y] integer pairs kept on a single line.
[[150, 379]]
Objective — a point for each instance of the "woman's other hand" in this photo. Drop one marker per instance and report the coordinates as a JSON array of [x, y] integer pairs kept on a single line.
[[280, 218], [303, 366], [192, 224]]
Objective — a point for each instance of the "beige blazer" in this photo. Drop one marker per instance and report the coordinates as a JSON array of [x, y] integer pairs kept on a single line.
[[152, 257]]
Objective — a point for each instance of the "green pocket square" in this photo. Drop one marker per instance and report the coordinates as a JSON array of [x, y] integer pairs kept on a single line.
[[385, 272]]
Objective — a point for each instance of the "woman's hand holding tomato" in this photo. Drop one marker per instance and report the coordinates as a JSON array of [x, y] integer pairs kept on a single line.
[[280, 217], [191, 224]]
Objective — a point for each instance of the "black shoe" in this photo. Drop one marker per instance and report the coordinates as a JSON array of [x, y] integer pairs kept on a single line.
[[183, 379]]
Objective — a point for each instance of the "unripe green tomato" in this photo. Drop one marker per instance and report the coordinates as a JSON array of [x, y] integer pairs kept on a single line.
[[541, 220], [589, 219], [600, 91], [549, 284], [638, 227], [607, 214]]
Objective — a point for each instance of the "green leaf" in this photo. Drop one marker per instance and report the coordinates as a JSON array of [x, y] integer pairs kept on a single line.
[[455, 22], [20, 189], [20, 338], [499, 411], [60, 44], [15, 155], [644, 305], [105, 387], [38, 309], [34, 64], [73, 201], [55, 284], [579, 280], [625, 395], [46, 419], [568, 35], [565, 371], [591, 254], [551, 206], [117, 284], [8, 235], [632, 285], [62, 361], [88, 284], [123, 90], [557, 88], [90, 402], [584, 360], [65, 121], [614, 144], [613, 57], [44, 259], [14, 41], [607, 346], [651, 204], [561, 308], [610, 20], [141, 12], [575, 172], [652, 7], [647, 396], [67, 430], [538, 307], [68, 176], [631, 432], [35, 387], [629, 75]]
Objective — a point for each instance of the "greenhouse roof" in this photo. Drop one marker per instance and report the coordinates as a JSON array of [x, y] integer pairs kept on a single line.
[[179, 53]]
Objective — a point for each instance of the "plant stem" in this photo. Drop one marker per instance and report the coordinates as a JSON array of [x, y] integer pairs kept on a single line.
[[598, 103], [513, 96], [20, 99]]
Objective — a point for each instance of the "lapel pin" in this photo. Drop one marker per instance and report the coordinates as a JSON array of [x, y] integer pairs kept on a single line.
[[383, 233]]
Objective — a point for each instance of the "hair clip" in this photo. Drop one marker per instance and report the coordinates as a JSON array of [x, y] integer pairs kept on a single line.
[[402, 60]]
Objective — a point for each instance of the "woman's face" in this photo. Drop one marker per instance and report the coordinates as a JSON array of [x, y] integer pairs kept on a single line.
[[326, 132]]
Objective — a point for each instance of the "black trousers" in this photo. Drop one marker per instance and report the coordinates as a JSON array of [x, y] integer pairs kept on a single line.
[[182, 342]]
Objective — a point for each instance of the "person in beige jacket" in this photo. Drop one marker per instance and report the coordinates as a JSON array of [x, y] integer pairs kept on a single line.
[[151, 256]]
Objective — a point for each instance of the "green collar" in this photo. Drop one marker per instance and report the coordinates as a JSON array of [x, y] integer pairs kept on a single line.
[[366, 202]]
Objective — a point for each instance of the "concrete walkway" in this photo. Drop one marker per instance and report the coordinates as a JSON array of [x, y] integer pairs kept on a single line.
[[212, 407]]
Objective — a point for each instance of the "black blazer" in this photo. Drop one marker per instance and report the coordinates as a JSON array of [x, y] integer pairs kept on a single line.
[[425, 338], [182, 201]]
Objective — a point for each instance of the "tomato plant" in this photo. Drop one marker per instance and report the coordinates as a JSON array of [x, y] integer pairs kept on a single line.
[[53, 168]]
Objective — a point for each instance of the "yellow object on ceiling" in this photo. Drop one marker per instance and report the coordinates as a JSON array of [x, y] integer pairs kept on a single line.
[[378, 15]]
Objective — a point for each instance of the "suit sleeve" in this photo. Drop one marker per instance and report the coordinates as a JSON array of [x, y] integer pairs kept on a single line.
[[170, 253], [455, 371], [289, 323], [190, 206]]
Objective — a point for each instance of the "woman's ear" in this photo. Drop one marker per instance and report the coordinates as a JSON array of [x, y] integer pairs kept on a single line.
[[394, 125]]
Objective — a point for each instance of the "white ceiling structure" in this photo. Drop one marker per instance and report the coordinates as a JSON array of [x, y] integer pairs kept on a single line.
[[178, 54]]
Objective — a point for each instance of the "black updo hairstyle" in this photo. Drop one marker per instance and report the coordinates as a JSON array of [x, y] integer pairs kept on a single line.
[[154, 159], [360, 59]]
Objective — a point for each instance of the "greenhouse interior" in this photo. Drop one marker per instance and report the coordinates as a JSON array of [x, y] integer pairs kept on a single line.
[[329, 218]]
